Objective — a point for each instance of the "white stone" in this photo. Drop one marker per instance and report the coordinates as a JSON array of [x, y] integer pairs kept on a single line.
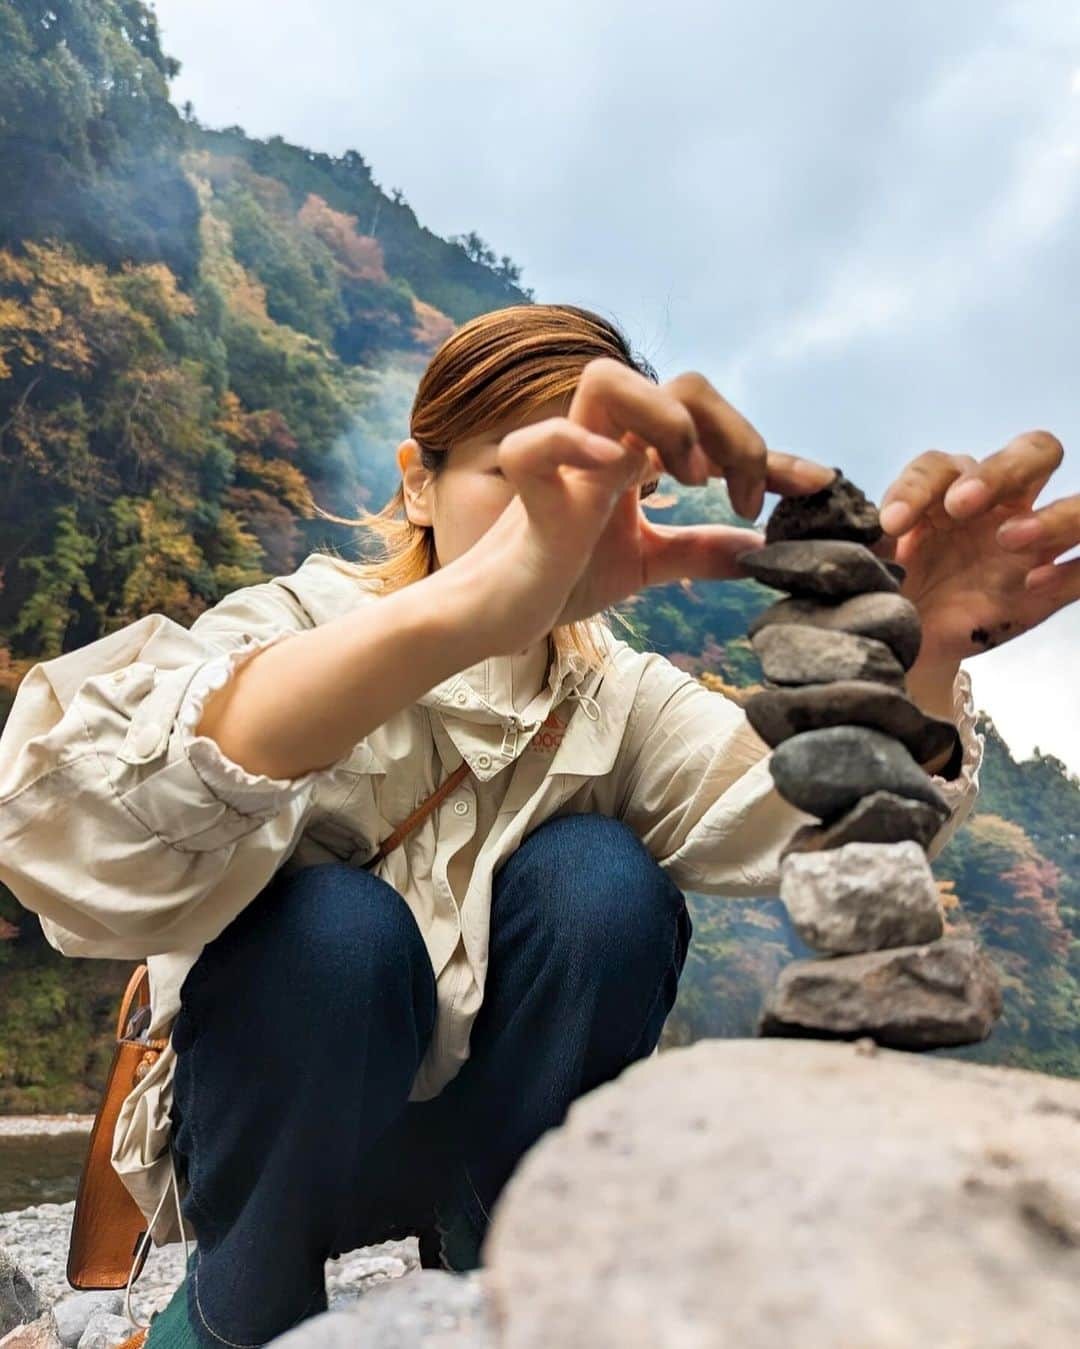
[[862, 897]]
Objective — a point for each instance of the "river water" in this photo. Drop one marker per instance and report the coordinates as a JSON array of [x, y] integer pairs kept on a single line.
[[40, 1168]]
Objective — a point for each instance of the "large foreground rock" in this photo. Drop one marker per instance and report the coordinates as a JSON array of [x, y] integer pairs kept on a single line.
[[777, 1193], [430, 1309]]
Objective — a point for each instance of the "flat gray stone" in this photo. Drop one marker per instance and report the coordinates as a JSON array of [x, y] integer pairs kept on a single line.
[[887, 617], [73, 1313], [105, 1330], [794, 653], [826, 772], [880, 817], [778, 714], [797, 1194], [838, 511], [813, 567], [862, 897], [908, 997]]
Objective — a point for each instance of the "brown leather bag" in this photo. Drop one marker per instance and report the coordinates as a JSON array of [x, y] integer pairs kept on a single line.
[[107, 1225]]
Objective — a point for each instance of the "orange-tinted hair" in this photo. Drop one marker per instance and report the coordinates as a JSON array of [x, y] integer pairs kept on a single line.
[[499, 366]]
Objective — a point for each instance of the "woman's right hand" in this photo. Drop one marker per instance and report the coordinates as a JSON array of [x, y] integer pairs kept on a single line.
[[574, 539]]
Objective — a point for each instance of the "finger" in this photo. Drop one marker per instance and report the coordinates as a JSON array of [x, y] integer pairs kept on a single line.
[[921, 485], [728, 439], [532, 456], [790, 475], [1052, 529], [611, 398], [1056, 581], [1019, 471], [702, 552]]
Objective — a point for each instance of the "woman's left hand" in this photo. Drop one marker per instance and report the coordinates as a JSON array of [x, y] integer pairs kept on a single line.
[[979, 557]]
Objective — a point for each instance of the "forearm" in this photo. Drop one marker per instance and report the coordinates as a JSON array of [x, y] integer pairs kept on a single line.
[[303, 703]]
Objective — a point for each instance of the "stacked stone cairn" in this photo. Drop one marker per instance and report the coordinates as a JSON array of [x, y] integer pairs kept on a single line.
[[848, 745]]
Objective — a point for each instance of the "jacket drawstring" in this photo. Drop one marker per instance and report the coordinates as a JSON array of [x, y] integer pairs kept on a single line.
[[586, 700], [147, 1237]]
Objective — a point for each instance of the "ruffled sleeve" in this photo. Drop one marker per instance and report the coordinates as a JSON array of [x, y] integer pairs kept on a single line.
[[249, 793], [126, 831]]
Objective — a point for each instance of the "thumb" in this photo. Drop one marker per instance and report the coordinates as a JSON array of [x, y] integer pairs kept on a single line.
[[701, 552]]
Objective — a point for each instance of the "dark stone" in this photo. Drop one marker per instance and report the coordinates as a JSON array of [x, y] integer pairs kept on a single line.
[[794, 653], [818, 567], [880, 817], [838, 511], [825, 772], [778, 714], [907, 997], [888, 618]]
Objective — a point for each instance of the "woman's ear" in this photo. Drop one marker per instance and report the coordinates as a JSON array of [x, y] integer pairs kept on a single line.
[[415, 480]]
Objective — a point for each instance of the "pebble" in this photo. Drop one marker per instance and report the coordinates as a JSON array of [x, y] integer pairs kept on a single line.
[[862, 897], [818, 567], [888, 618], [880, 817], [826, 772], [794, 653], [838, 511]]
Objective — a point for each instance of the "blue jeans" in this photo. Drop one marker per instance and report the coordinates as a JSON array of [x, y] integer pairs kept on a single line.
[[321, 990]]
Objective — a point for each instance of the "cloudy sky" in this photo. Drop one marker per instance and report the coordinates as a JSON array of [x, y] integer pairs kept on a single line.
[[860, 221]]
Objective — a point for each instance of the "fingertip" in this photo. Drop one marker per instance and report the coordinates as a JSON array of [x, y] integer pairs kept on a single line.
[[1038, 577], [895, 517], [966, 496]]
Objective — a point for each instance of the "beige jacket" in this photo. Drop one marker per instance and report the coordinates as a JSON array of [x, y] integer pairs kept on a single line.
[[134, 839]]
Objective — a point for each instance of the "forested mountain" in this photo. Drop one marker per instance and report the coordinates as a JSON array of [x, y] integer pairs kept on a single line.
[[201, 336]]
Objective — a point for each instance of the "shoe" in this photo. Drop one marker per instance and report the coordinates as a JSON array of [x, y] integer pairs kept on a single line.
[[135, 1341]]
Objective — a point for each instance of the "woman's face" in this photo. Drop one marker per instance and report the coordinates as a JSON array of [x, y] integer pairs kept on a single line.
[[470, 492]]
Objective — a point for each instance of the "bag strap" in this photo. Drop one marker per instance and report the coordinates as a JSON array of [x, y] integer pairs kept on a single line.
[[420, 813]]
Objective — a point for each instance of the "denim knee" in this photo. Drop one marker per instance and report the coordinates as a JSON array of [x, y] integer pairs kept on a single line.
[[593, 882], [320, 947]]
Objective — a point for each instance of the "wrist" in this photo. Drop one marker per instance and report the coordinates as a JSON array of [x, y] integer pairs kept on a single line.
[[930, 687]]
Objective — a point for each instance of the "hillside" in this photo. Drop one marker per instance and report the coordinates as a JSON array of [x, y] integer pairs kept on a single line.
[[202, 336]]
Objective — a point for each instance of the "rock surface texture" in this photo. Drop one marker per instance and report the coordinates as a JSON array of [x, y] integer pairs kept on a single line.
[[774, 1193], [826, 896], [848, 746]]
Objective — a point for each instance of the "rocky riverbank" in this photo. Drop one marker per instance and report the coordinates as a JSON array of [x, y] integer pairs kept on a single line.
[[36, 1242]]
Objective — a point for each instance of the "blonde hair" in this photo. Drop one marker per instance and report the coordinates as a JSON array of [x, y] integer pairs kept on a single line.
[[497, 367]]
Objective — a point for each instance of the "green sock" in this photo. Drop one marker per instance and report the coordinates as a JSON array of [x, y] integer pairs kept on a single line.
[[170, 1327]]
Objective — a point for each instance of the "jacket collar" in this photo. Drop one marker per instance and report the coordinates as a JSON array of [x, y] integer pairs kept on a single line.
[[594, 725]]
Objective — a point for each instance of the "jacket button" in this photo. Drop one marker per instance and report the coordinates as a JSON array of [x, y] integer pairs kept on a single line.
[[483, 761], [146, 738], [461, 807], [461, 697], [118, 676]]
